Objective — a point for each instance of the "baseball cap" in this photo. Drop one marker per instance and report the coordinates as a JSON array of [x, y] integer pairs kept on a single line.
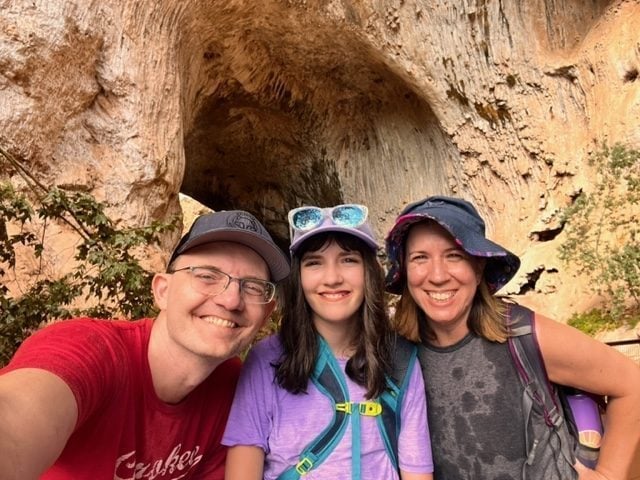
[[240, 227]]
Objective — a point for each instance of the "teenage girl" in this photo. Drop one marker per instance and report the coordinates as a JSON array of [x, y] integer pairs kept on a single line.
[[334, 316]]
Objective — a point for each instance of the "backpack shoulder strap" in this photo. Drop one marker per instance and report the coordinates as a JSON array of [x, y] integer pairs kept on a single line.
[[404, 359], [527, 358], [538, 389], [404, 352], [328, 378]]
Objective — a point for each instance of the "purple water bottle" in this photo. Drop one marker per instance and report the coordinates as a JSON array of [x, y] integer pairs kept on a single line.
[[586, 415]]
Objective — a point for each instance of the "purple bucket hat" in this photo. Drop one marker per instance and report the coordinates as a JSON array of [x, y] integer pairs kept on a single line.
[[463, 222]]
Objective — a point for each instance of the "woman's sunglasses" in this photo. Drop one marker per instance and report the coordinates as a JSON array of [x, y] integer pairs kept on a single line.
[[304, 219]]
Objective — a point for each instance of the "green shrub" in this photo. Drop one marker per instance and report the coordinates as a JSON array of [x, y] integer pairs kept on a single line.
[[106, 275], [603, 229], [593, 321]]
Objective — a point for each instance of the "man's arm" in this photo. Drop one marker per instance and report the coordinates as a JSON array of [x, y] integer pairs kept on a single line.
[[38, 413]]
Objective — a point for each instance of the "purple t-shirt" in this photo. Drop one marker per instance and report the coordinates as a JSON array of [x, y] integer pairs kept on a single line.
[[282, 424]]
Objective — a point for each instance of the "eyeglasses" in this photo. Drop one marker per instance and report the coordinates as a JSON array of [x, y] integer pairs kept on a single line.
[[211, 282], [349, 215]]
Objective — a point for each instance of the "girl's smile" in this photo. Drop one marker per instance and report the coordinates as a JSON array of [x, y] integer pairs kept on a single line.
[[333, 284]]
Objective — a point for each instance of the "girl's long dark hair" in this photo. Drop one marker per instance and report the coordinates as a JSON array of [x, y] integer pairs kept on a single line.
[[299, 338]]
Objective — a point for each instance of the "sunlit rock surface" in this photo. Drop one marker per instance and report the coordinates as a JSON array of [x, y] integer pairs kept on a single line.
[[267, 105]]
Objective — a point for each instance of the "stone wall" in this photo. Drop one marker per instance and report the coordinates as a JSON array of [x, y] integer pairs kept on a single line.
[[269, 104]]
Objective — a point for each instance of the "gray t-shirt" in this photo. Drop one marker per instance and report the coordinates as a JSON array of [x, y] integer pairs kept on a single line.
[[475, 410], [476, 417]]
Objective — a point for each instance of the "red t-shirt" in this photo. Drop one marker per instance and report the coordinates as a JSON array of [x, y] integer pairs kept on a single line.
[[124, 431]]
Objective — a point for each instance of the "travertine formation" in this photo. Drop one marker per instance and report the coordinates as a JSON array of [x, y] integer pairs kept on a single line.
[[269, 104]]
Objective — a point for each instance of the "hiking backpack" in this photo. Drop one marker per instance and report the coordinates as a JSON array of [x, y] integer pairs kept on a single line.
[[329, 378], [551, 399]]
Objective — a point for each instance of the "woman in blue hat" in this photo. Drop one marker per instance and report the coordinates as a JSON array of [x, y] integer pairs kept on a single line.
[[334, 395], [483, 425]]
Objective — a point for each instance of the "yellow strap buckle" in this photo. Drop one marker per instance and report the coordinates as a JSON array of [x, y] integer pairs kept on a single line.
[[303, 466], [369, 408], [344, 407]]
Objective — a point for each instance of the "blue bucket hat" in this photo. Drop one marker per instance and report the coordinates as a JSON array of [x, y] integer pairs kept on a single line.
[[463, 222]]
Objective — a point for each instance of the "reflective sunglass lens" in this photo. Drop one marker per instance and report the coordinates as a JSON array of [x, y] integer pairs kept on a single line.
[[349, 215], [307, 218]]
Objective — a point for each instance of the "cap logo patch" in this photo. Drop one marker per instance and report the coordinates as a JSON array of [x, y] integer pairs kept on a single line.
[[243, 221]]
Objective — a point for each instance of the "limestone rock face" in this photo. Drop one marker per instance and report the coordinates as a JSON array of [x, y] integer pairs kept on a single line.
[[269, 104]]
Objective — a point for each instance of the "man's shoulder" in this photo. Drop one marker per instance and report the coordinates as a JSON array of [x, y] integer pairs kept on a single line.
[[81, 338], [94, 331], [220, 385], [229, 369], [91, 324]]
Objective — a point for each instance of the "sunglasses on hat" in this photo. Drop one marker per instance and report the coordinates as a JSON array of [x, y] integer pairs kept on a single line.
[[304, 219]]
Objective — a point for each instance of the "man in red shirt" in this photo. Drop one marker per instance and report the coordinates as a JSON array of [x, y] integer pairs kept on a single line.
[[99, 399]]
